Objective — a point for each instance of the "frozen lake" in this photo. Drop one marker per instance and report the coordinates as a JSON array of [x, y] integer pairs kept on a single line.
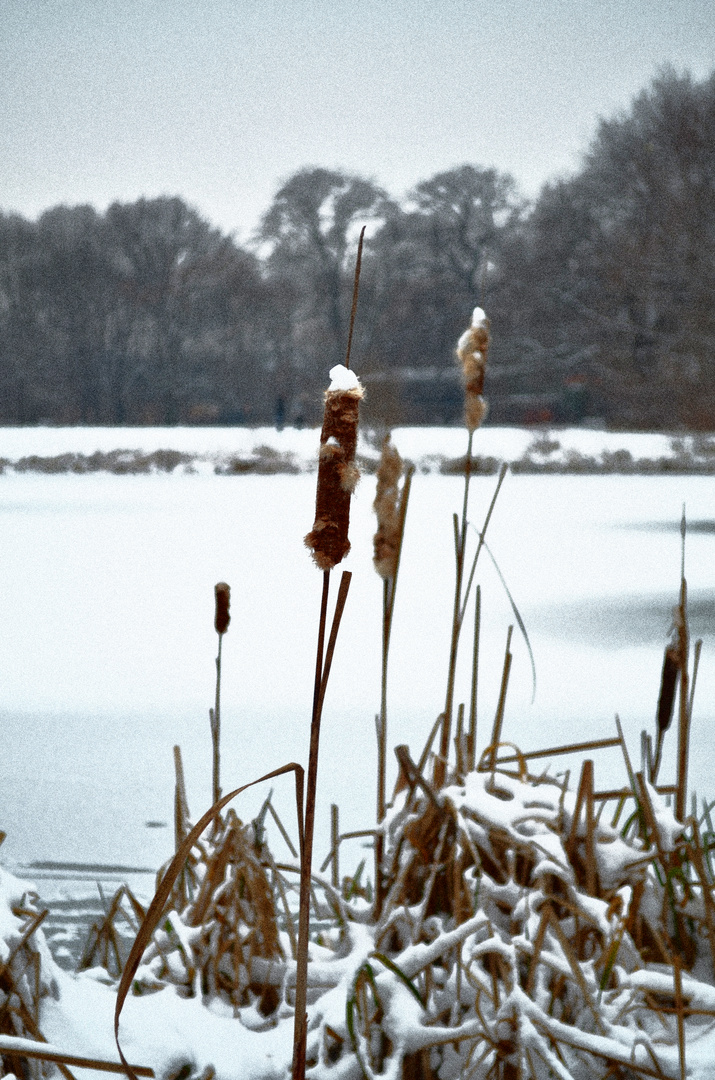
[[107, 644]]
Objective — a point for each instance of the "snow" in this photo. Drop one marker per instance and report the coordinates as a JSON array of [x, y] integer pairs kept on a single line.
[[343, 379]]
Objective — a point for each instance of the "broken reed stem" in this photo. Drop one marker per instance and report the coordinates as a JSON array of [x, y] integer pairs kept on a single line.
[[181, 807], [322, 672]]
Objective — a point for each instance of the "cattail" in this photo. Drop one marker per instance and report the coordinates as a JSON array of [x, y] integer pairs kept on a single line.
[[668, 682], [472, 350], [387, 537], [223, 603], [337, 472]]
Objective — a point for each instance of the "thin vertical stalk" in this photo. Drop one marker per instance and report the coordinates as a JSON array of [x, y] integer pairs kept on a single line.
[[472, 736], [678, 988], [460, 540], [335, 844], [683, 702], [324, 658], [216, 728], [387, 590], [306, 851], [499, 717], [356, 292]]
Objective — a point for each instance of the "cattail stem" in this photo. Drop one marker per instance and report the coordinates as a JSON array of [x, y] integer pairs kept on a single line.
[[215, 714], [460, 607], [460, 542], [684, 713], [322, 672]]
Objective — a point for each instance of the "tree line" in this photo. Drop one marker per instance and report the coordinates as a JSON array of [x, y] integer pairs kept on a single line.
[[599, 293]]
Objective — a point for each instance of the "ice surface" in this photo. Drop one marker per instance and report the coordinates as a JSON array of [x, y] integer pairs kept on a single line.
[[107, 644]]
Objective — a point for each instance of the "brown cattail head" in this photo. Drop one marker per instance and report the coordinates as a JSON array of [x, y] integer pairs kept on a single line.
[[223, 603], [472, 350], [387, 537], [337, 472], [668, 682]]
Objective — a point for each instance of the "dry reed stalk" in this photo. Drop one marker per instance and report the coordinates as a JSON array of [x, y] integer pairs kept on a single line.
[[499, 716], [696, 857], [334, 846], [472, 733], [222, 618], [584, 800], [678, 987], [25, 1049], [472, 349], [554, 751], [181, 806]]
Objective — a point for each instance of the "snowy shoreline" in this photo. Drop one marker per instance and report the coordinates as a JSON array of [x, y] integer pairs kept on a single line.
[[266, 451]]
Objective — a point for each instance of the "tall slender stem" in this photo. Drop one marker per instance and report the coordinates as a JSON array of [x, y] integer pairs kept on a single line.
[[323, 663], [306, 852], [440, 767], [684, 713], [216, 728], [472, 736], [387, 588]]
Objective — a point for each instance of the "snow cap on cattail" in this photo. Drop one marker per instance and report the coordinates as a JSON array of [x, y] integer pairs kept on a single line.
[[223, 603], [387, 537], [472, 350], [337, 472]]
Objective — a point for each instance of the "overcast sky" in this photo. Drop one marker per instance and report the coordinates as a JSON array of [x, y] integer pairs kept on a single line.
[[104, 100]]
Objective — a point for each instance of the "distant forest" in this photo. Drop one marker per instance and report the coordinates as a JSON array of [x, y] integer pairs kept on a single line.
[[601, 294]]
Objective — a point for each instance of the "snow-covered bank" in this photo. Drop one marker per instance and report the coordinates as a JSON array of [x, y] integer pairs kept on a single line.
[[267, 451], [516, 929]]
